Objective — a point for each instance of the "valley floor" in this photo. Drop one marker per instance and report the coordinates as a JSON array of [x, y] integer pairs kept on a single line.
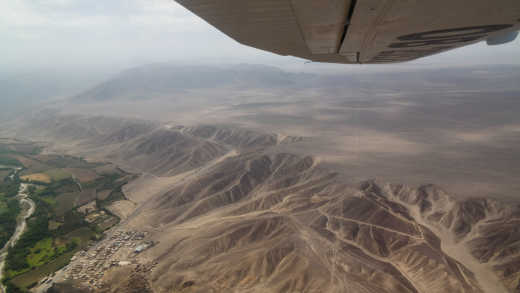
[[65, 205]]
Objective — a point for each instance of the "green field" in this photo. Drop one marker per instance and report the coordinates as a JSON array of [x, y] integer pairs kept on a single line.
[[65, 202], [57, 229], [3, 207], [68, 162], [30, 278], [43, 252], [7, 160], [82, 235], [50, 200], [53, 225], [58, 174], [4, 173], [9, 210]]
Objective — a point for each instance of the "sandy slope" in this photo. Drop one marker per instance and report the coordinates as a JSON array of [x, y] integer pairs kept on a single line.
[[234, 210]]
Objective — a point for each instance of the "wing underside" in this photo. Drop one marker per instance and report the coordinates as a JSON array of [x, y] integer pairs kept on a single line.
[[359, 31]]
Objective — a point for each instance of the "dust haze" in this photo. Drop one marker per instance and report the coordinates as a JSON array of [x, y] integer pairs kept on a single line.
[[455, 127]]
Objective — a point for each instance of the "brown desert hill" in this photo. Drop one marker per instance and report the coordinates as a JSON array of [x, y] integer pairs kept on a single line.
[[168, 152], [157, 80], [126, 132], [279, 223], [235, 213], [484, 232], [145, 146], [169, 80], [238, 137], [50, 125]]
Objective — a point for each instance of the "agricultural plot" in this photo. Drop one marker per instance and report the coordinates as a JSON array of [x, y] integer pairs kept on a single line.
[[58, 174], [8, 160], [64, 203], [44, 251], [37, 178], [103, 194], [31, 278], [82, 175], [9, 209], [9, 206], [21, 147], [85, 197], [47, 176], [59, 161], [4, 173], [31, 165], [69, 213]]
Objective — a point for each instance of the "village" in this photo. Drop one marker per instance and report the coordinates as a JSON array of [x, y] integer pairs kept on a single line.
[[119, 249]]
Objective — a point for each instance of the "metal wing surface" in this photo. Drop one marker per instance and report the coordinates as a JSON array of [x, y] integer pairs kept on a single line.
[[361, 31]]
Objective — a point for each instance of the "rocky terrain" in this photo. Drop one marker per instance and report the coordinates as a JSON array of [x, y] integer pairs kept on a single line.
[[225, 209]]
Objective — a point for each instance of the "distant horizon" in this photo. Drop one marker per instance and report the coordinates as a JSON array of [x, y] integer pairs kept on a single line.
[[315, 68]]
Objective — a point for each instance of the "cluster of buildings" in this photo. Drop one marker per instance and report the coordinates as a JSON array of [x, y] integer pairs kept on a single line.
[[119, 249]]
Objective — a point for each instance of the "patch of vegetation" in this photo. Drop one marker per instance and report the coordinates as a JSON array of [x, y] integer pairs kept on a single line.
[[57, 187], [48, 176], [57, 229], [58, 174], [81, 236], [12, 288], [73, 220], [36, 246], [37, 229], [35, 150], [113, 182], [34, 276], [42, 251], [20, 148], [4, 172], [9, 161], [9, 209], [106, 181], [64, 203], [8, 214], [40, 178], [53, 225], [50, 201], [9, 188], [4, 149], [69, 162]]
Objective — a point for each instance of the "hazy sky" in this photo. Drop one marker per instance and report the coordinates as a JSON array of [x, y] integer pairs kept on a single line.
[[115, 34]]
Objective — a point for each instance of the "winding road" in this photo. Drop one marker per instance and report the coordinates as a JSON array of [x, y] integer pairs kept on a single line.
[[28, 208]]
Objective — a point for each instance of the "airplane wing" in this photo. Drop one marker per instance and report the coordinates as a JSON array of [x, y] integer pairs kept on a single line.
[[361, 31]]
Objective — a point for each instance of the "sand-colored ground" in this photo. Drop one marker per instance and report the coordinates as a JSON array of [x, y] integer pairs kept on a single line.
[[122, 208], [39, 177], [304, 216]]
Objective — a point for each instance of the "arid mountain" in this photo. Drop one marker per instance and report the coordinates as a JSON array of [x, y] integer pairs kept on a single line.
[[163, 80], [251, 179], [233, 210], [455, 127], [171, 81], [23, 91], [279, 223]]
